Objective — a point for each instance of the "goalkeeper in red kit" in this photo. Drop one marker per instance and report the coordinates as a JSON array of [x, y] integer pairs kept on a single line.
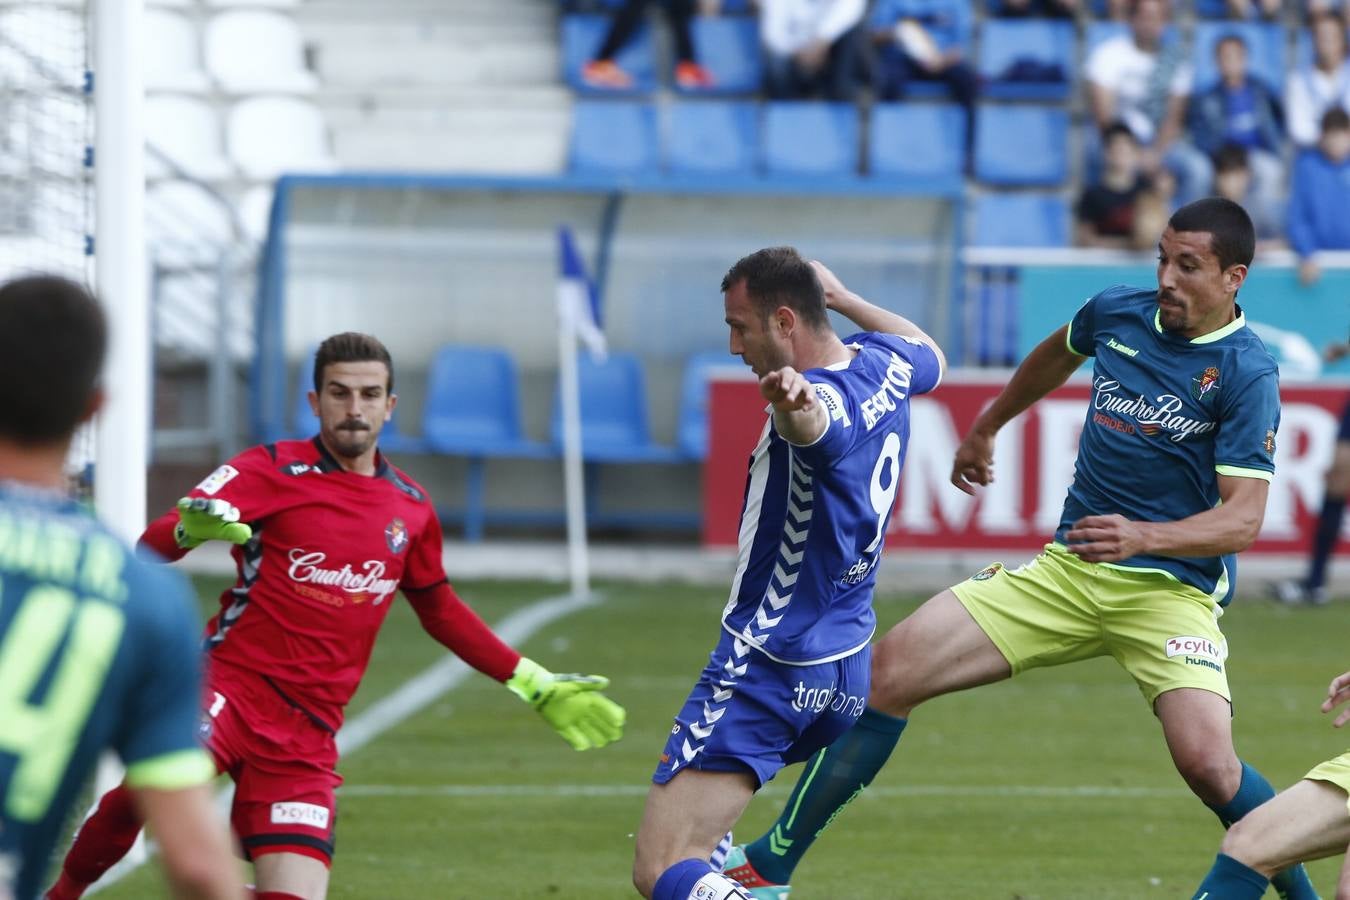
[[325, 531]]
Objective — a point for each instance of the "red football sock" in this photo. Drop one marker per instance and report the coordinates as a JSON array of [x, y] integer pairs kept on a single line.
[[277, 895], [103, 839]]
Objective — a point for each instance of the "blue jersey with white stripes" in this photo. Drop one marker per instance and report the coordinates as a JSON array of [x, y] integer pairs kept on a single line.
[[814, 519], [97, 649], [1168, 416]]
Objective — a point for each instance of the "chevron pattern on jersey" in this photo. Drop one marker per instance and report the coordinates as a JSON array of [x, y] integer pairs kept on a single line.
[[252, 553], [777, 596]]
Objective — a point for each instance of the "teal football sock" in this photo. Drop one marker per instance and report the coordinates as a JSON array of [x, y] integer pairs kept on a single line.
[[1253, 790], [1231, 880], [832, 778]]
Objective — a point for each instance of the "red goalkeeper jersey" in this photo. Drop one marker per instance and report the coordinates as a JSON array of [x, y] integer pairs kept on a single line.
[[316, 580]]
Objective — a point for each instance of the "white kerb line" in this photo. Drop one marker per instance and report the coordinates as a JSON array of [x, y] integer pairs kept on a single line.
[[413, 696]]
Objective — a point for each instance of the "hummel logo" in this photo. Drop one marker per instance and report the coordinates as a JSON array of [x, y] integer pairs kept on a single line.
[[1116, 345]]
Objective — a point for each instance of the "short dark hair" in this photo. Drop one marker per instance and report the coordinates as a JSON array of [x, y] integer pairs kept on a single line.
[[1231, 235], [1230, 158], [1335, 119], [779, 276], [351, 346], [54, 336], [1116, 129], [1231, 37]]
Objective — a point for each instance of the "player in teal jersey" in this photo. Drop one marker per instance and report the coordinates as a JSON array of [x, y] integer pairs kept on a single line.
[[1183, 415], [1308, 821], [97, 648]]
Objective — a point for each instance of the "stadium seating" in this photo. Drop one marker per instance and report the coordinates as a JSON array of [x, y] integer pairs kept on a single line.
[[728, 47], [186, 132], [921, 141], [712, 137], [268, 136], [1265, 51], [186, 224], [1021, 145], [806, 139], [614, 425], [1020, 219], [1031, 51], [175, 64], [581, 39], [256, 50], [614, 136], [692, 430], [472, 409]]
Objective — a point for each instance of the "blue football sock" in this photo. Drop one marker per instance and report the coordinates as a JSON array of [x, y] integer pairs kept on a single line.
[[832, 778], [1231, 880], [1253, 790], [679, 881]]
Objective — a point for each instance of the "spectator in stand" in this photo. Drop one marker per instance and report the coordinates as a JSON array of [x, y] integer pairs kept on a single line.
[[812, 47], [1241, 109], [1247, 9], [1123, 209], [1313, 90], [1233, 181], [1040, 9], [1141, 80], [1320, 196], [603, 72], [925, 40]]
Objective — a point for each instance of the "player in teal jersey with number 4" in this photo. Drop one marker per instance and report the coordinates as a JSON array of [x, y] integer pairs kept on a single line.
[[97, 648], [1174, 464]]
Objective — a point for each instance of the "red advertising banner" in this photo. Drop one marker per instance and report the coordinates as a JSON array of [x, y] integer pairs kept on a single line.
[[1033, 461]]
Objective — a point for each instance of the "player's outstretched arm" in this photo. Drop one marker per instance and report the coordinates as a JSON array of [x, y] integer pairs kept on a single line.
[[572, 704], [1045, 368], [194, 846]]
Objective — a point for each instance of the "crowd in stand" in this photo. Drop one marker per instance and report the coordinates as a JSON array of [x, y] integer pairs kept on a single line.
[[1158, 138]]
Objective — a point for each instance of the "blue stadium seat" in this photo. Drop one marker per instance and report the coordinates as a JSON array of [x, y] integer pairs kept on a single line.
[[1033, 48], [613, 412], [615, 136], [810, 138], [304, 424], [1021, 220], [712, 137], [920, 141], [582, 35], [1265, 52], [472, 409], [1021, 145], [692, 431], [728, 47]]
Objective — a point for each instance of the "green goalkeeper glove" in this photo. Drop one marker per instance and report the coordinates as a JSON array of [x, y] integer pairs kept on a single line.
[[201, 520], [571, 703]]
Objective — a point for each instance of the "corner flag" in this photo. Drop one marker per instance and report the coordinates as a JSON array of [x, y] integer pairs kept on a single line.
[[578, 302]]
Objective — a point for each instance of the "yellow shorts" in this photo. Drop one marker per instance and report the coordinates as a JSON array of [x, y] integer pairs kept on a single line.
[[1337, 772], [1059, 609]]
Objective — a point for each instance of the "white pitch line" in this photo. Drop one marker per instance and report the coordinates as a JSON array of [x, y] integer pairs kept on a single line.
[[412, 697], [1073, 792]]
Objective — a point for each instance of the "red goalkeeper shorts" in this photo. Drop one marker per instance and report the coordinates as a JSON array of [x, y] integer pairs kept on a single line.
[[281, 758]]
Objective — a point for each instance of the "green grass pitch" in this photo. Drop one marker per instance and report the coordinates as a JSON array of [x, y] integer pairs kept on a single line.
[[1053, 785]]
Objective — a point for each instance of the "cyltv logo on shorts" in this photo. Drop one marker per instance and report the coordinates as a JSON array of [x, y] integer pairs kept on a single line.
[[310, 814], [1190, 645]]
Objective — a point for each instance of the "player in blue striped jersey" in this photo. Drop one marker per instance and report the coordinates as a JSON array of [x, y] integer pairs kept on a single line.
[[1174, 464], [97, 649], [790, 671]]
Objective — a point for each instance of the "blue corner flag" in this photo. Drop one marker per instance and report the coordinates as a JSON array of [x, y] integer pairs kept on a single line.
[[578, 303]]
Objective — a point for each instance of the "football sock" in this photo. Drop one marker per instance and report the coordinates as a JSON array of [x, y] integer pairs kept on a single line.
[[276, 895], [694, 879], [103, 839], [1231, 880], [1324, 539], [832, 778], [718, 858], [1253, 790]]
